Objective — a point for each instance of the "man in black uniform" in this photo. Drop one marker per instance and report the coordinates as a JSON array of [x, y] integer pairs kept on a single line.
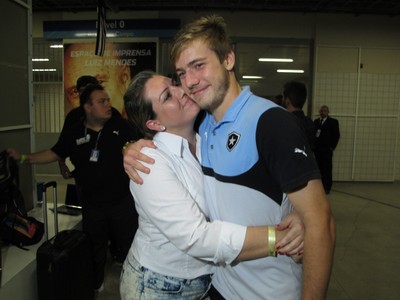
[[94, 146], [76, 115]]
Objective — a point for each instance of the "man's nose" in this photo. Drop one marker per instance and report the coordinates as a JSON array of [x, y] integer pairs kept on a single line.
[[180, 94], [190, 81]]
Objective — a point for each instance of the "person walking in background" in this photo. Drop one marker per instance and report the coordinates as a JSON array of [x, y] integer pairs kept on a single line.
[[294, 97], [327, 138], [94, 146], [277, 99]]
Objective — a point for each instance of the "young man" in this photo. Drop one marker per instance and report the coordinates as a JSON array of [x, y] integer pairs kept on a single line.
[[256, 167], [94, 146]]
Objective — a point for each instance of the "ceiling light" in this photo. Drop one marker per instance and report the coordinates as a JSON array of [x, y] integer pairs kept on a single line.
[[40, 59], [86, 34], [44, 70], [252, 77], [289, 71], [56, 46], [275, 59]]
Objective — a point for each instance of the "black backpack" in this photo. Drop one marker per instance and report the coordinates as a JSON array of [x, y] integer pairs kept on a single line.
[[11, 199], [15, 226]]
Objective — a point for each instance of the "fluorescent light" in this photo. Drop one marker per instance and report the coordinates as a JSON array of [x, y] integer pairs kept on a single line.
[[93, 34], [85, 34], [289, 71], [40, 59], [252, 77], [56, 46], [275, 59], [44, 70]]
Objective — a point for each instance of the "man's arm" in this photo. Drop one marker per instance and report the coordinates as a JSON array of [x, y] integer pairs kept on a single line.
[[64, 170], [335, 134], [41, 157], [289, 243], [133, 158], [312, 205]]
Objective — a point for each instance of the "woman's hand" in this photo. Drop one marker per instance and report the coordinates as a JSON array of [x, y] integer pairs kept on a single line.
[[290, 236]]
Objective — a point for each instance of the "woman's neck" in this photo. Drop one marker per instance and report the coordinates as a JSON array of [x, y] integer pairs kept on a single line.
[[188, 134]]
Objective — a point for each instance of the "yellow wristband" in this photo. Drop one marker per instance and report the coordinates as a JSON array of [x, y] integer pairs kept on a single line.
[[126, 146], [23, 158], [271, 241]]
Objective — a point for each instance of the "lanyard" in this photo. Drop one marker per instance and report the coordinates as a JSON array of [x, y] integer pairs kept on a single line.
[[98, 137]]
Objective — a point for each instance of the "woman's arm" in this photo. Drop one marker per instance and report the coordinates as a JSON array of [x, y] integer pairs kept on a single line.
[[170, 207]]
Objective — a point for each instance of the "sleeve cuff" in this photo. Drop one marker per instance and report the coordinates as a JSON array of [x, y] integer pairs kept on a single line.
[[231, 242]]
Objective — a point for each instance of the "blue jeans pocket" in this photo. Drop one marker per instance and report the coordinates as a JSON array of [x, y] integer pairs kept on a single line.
[[163, 287], [138, 282], [162, 283]]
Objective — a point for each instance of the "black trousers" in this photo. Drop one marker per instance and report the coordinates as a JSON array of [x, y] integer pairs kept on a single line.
[[109, 221], [214, 294]]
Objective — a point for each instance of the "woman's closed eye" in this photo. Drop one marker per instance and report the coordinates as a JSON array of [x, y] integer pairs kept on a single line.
[[167, 96]]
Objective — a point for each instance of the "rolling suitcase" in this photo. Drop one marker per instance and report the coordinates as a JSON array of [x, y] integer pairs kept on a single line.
[[64, 263]]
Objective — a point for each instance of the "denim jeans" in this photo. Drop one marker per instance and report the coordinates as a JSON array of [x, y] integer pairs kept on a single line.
[[138, 282]]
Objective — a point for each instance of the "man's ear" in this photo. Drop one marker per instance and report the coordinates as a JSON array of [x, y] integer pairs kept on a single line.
[[154, 125], [229, 61], [86, 107]]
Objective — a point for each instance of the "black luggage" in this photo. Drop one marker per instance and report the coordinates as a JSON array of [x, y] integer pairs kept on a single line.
[[64, 263]]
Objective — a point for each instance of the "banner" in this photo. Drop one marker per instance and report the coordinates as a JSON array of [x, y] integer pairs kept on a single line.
[[115, 69]]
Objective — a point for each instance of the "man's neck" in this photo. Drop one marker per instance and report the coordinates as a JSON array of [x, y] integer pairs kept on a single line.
[[233, 92], [95, 125]]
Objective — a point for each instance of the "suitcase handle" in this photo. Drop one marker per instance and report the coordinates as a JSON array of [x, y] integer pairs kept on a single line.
[[44, 207], [49, 184]]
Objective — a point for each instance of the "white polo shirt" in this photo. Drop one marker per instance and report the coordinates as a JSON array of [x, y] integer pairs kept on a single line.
[[172, 227]]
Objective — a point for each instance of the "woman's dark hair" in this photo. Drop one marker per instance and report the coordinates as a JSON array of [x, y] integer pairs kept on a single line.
[[137, 107]]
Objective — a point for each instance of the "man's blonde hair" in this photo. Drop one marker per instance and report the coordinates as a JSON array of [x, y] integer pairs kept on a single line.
[[210, 29]]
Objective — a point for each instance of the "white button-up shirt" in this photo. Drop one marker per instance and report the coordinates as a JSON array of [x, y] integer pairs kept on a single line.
[[173, 233]]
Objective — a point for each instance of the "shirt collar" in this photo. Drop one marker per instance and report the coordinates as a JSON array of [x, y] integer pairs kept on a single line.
[[233, 110], [175, 143]]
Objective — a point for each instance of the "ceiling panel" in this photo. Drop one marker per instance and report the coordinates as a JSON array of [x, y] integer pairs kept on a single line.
[[376, 7]]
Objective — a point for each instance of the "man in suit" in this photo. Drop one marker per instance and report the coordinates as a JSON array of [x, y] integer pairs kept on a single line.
[[327, 138]]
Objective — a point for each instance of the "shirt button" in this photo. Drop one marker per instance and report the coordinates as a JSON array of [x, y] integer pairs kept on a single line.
[[212, 147], [213, 133]]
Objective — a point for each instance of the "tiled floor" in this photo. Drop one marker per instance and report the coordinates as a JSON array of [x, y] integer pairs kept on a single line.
[[367, 257]]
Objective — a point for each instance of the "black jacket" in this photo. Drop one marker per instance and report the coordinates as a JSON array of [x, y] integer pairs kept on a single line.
[[328, 134]]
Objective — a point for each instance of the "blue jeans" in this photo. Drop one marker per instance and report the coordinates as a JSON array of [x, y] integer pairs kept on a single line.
[[138, 282]]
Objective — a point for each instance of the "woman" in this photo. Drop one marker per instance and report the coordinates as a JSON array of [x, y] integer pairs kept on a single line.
[[175, 247]]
